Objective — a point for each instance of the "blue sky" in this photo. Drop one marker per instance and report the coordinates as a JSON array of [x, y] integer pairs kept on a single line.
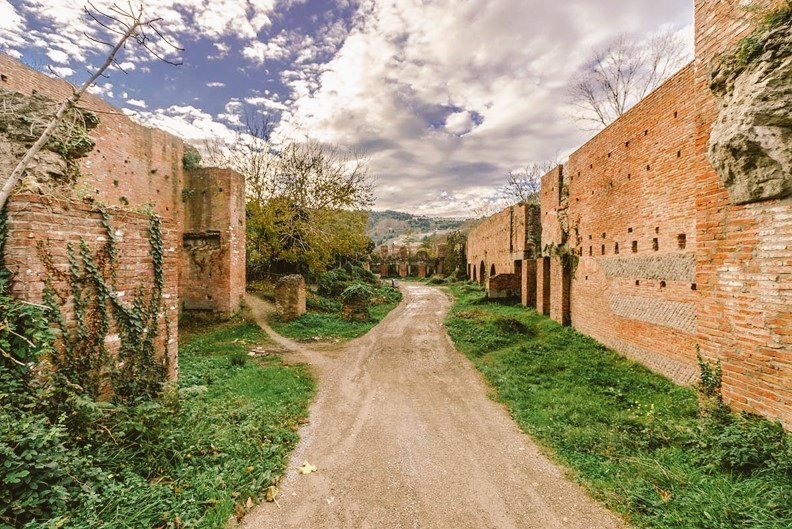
[[444, 96]]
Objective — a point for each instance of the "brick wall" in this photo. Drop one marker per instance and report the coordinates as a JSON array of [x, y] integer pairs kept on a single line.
[[743, 256], [664, 261], [35, 220], [131, 164], [213, 247], [503, 240], [632, 224]]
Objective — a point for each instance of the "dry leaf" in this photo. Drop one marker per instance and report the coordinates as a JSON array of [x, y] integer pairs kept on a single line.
[[306, 468], [272, 493], [249, 503]]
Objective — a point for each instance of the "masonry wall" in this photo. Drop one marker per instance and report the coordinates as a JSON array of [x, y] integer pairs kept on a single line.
[[213, 243], [503, 239], [35, 221], [131, 165], [664, 261], [631, 221], [743, 255]]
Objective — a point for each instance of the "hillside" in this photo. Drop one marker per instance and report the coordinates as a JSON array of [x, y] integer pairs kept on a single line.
[[388, 226]]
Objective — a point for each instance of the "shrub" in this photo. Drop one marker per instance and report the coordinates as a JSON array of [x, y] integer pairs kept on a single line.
[[322, 304], [357, 293]]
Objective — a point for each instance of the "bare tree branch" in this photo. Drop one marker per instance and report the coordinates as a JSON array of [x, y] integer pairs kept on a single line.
[[127, 25], [621, 74]]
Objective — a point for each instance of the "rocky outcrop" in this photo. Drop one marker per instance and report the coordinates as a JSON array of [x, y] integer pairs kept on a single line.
[[751, 141]]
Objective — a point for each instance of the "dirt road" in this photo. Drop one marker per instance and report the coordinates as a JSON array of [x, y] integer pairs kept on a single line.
[[404, 436]]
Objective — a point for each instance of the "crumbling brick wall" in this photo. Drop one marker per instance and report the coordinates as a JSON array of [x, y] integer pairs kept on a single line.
[[131, 165], [135, 167], [743, 254], [503, 241], [40, 227], [213, 247], [660, 260]]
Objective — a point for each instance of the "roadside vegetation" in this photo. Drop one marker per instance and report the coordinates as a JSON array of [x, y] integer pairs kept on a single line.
[[194, 457], [329, 317], [662, 455]]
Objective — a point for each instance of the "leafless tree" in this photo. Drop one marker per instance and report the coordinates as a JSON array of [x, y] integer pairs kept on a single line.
[[250, 153], [124, 23], [621, 74], [524, 185]]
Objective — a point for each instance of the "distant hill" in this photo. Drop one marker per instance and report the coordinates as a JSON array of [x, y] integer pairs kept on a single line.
[[385, 227]]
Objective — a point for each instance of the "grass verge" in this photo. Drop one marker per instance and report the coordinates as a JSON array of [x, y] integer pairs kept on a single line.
[[636, 441], [195, 457], [324, 322]]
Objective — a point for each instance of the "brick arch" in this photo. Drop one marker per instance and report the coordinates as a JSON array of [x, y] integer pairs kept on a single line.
[[492, 270], [482, 270]]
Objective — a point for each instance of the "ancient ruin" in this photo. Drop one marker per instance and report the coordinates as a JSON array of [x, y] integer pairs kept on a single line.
[[290, 297], [122, 197], [669, 233]]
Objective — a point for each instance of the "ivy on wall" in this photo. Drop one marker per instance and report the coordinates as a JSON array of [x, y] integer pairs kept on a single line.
[[89, 287]]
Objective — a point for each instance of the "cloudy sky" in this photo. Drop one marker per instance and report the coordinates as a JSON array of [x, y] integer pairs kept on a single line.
[[445, 96]]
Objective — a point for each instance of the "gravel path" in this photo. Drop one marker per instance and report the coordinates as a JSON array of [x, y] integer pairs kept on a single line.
[[404, 436]]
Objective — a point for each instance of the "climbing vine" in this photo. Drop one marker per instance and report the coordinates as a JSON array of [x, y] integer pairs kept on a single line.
[[89, 286]]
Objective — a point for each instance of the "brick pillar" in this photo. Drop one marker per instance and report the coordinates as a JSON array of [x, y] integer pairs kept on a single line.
[[384, 270], [403, 270], [421, 270], [543, 285], [528, 286], [560, 283]]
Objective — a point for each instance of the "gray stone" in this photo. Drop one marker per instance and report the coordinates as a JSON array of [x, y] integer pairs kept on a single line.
[[751, 141]]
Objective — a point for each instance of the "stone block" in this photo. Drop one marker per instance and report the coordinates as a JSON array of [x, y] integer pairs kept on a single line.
[[290, 297]]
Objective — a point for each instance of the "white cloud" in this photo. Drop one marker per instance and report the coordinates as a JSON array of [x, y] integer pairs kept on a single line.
[[449, 95], [57, 26], [139, 103], [185, 121], [215, 84], [58, 56], [460, 123], [62, 71]]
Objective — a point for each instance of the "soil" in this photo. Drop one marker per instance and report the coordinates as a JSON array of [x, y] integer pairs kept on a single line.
[[404, 435]]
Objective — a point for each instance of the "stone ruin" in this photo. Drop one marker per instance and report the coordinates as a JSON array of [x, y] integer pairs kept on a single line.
[[290, 297], [669, 233], [103, 178]]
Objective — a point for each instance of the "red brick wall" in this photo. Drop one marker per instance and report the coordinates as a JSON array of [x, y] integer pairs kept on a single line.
[[131, 164], [213, 249], [743, 256], [633, 184], [33, 219], [501, 240], [725, 286]]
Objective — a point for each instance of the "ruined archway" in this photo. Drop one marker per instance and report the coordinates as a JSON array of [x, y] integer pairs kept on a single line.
[[492, 271], [482, 270]]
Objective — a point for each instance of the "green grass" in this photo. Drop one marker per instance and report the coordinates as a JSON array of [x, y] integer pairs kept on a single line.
[[634, 439], [323, 321], [224, 439]]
